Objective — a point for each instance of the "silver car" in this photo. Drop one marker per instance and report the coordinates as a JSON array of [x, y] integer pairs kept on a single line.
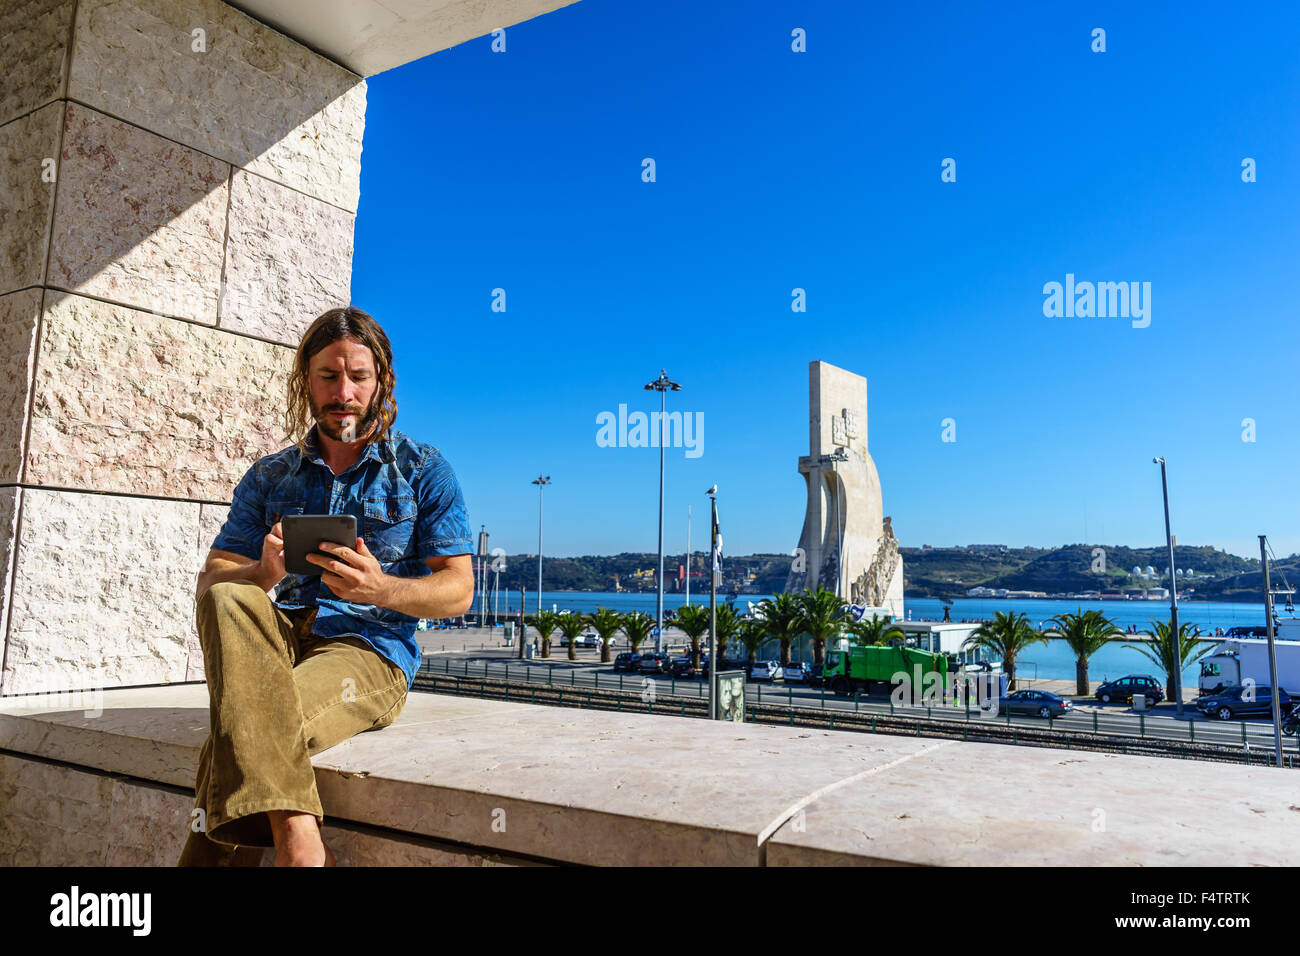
[[796, 672], [769, 671]]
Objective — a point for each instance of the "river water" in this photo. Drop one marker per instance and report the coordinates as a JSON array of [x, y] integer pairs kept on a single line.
[[1051, 661]]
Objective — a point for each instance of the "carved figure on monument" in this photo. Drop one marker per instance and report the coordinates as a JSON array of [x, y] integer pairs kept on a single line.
[[847, 544], [871, 588]]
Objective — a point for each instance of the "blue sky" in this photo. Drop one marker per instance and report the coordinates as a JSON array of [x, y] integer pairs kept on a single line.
[[821, 170]]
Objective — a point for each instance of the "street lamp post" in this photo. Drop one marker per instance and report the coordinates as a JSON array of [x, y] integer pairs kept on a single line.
[[713, 604], [482, 564], [839, 455], [1272, 651], [661, 385], [1177, 674], [688, 554], [539, 481]]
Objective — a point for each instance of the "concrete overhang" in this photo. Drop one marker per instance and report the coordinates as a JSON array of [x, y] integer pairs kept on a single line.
[[370, 36]]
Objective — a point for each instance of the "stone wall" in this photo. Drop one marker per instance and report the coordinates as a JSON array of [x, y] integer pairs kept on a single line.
[[178, 187]]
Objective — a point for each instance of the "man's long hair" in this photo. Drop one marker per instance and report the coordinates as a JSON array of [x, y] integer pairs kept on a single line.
[[328, 328]]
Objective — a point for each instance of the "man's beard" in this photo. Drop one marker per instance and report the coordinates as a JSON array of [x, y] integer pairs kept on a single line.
[[350, 429]]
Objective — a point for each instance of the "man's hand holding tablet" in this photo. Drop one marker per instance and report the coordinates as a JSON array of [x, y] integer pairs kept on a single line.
[[328, 545]]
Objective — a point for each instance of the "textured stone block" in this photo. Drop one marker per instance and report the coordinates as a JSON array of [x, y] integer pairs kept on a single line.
[[125, 401], [27, 195], [9, 506], [211, 518], [50, 815], [251, 96], [33, 49], [140, 220], [353, 847], [19, 312], [53, 815], [288, 259], [102, 592], [147, 826]]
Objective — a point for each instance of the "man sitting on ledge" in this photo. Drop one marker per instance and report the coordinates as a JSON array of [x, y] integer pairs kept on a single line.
[[335, 654]]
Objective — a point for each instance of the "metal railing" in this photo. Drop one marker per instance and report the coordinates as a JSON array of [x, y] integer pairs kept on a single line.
[[942, 719]]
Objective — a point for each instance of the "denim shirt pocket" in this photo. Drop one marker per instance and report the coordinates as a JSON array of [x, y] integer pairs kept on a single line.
[[388, 526], [279, 507]]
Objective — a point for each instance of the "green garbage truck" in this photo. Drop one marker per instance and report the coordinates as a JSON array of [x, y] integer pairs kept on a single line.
[[875, 668]]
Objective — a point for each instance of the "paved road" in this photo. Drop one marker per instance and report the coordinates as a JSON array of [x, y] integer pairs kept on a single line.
[[1089, 715]]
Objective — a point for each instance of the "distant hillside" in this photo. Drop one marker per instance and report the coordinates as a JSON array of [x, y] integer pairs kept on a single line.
[[950, 572], [928, 572], [755, 573]]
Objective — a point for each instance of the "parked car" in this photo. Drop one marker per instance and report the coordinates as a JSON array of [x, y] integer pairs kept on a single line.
[[769, 671], [815, 678], [796, 672], [1126, 688], [682, 669], [1040, 702], [1241, 700], [656, 662], [627, 661]]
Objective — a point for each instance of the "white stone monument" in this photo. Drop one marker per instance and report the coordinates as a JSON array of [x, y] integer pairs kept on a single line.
[[862, 551]]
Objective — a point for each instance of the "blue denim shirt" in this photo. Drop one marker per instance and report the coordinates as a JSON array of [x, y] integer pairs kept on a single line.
[[408, 505]]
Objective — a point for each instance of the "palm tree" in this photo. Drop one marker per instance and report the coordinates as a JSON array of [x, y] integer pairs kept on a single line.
[[877, 630], [728, 630], [1005, 637], [1086, 632], [781, 616], [546, 622], [606, 624], [752, 635], [637, 627], [1160, 650], [822, 617], [693, 620], [571, 625]]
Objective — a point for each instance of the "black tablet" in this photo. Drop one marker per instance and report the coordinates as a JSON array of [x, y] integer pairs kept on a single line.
[[303, 533]]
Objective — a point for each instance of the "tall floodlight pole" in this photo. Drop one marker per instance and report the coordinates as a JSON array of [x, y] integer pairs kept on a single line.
[[540, 481], [661, 385], [840, 455], [1177, 675], [713, 604], [1272, 654]]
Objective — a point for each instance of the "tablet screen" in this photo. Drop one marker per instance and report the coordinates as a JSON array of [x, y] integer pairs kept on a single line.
[[303, 534]]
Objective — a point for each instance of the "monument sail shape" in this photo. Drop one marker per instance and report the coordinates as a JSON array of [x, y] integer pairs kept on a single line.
[[847, 544]]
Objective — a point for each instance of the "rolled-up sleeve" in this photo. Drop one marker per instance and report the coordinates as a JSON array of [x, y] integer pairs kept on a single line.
[[245, 527], [442, 526]]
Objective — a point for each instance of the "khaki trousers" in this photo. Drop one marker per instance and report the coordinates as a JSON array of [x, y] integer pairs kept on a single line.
[[278, 695]]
